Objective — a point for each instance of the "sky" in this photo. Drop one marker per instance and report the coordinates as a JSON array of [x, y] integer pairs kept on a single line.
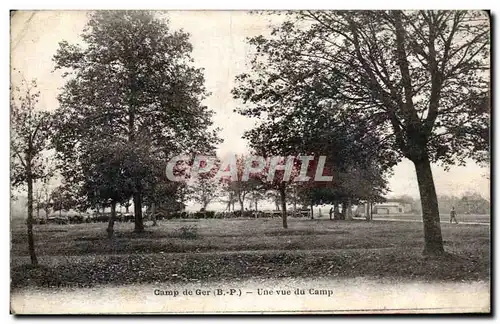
[[219, 46]]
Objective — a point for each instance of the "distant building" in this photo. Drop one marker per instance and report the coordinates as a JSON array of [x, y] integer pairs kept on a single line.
[[391, 208]]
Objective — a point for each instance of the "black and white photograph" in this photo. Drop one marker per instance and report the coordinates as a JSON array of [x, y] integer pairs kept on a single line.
[[250, 161]]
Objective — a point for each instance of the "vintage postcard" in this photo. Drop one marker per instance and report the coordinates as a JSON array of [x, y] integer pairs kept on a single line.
[[250, 162]]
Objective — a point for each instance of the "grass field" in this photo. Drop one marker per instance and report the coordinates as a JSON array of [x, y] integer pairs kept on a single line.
[[466, 218], [203, 250]]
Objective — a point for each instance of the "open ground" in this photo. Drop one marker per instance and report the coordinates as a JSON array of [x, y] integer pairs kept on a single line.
[[202, 250]]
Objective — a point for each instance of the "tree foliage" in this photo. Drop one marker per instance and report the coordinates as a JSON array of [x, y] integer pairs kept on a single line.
[[414, 78]]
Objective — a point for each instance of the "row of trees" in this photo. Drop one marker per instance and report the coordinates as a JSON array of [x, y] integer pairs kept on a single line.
[[131, 101], [468, 203], [364, 89], [348, 185]]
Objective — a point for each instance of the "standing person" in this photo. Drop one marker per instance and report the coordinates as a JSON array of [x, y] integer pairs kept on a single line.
[[453, 215], [331, 213]]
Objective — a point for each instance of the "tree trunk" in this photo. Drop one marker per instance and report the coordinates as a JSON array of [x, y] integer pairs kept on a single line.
[[348, 211], [430, 210], [137, 198], [312, 210], [283, 205], [337, 212], [139, 226], [295, 201], [367, 211], [29, 221], [153, 213], [112, 217], [242, 207], [344, 208], [256, 205]]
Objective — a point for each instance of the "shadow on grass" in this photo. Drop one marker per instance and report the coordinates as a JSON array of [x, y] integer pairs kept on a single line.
[[291, 232], [407, 264]]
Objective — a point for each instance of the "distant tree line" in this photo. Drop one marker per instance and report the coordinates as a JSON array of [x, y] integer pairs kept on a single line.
[[468, 203]]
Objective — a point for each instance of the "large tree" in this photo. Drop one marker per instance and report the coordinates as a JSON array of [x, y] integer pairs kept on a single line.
[[29, 142], [134, 76], [417, 80]]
